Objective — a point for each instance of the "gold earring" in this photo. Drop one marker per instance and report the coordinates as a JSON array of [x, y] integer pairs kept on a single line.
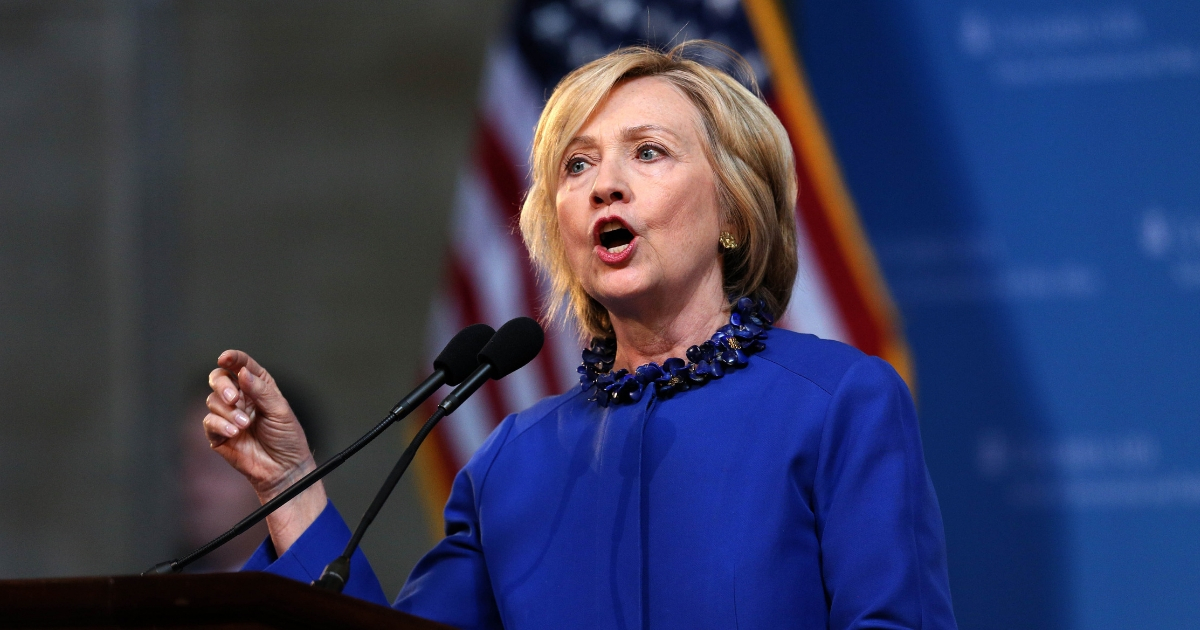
[[727, 241]]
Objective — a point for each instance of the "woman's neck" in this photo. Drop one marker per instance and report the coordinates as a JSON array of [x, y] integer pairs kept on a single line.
[[667, 328]]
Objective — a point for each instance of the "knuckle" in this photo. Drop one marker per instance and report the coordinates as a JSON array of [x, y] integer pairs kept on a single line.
[[218, 379], [215, 404], [215, 424]]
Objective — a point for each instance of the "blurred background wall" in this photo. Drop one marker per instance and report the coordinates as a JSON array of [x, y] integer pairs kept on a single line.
[[177, 178]]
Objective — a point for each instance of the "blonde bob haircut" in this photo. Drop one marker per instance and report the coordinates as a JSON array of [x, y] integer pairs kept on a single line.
[[748, 150]]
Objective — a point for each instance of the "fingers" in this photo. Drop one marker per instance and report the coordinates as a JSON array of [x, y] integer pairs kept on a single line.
[[235, 414], [265, 393], [235, 360], [223, 422], [224, 386], [240, 375], [218, 430]]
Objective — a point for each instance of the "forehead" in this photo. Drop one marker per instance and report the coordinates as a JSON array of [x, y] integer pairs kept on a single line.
[[643, 102]]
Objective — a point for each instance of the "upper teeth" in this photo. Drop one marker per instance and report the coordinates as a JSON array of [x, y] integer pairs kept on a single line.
[[610, 226]]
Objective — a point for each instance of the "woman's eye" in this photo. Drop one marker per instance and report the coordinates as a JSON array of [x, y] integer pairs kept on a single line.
[[647, 153], [576, 166]]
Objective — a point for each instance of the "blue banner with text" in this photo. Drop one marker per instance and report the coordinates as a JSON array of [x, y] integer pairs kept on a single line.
[[1029, 175]]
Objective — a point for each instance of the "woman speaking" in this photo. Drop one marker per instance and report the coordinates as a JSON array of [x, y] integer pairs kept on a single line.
[[709, 471]]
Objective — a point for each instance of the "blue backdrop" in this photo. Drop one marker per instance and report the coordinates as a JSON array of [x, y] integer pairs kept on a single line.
[[1029, 173]]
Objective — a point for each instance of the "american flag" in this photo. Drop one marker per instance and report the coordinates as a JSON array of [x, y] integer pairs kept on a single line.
[[839, 293]]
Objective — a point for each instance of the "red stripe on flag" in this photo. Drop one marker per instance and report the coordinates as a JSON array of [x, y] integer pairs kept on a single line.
[[501, 170], [464, 290], [864, 331], [508, 187]]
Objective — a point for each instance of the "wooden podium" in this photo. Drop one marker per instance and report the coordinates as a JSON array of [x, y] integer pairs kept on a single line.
[[228, 601]]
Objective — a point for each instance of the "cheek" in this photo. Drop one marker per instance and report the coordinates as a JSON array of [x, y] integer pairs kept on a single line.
[[573, 225], [692, 215]]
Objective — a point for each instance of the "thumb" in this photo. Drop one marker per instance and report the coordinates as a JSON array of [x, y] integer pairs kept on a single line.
[[265, 394]]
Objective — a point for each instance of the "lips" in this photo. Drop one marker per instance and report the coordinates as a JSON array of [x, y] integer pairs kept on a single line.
[[614, 239]]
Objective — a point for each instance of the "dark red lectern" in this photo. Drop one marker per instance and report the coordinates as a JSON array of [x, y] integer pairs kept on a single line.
[[228, 601]]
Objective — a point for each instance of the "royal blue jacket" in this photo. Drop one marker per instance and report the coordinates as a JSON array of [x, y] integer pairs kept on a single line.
[[791, 493]]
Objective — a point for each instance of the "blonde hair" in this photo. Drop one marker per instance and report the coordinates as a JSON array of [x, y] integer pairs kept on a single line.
[[748, 150]]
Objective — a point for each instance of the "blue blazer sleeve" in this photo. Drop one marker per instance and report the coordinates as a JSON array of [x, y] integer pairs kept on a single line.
[[882, 549], [304, 561], [451, 584]]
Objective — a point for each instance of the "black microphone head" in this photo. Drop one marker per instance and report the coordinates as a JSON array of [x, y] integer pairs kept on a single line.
[[460, 357], [516, 343]]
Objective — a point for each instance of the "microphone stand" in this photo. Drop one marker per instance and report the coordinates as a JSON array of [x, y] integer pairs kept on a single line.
[[337, 572], [399, 412]]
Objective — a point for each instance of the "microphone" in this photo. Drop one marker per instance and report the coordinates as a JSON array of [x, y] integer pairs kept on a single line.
[[457, 361], [516, 343]]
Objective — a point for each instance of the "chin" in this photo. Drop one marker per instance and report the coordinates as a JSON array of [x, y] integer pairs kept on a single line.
[[618, 291]]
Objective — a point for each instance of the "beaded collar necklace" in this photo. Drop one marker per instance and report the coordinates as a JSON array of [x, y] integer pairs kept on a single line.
[[729, 348]]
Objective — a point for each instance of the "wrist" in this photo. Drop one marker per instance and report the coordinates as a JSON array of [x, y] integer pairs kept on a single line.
[[293, 518], [269, 489]]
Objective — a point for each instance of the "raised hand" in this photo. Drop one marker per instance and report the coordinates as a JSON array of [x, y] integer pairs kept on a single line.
[[251, 425]]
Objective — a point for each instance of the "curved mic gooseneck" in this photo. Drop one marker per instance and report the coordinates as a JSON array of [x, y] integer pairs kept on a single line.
[[457, 361], [516, 343]]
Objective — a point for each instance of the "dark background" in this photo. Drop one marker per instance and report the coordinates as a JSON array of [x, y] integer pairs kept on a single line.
[[178, 178]]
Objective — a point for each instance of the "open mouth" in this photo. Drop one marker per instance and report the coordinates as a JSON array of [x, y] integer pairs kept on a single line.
[[615, 237]]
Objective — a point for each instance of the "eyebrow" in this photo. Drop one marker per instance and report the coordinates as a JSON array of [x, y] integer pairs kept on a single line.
[[587, 141], [627, 134], [641, 130]]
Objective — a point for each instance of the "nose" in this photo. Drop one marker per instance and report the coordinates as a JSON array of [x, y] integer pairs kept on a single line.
[[610, 185]]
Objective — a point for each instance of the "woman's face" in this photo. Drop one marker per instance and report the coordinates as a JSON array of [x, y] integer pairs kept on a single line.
[[637, 202]]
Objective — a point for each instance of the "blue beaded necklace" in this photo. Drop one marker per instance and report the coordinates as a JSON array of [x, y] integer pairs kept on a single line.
[[729, 348]]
